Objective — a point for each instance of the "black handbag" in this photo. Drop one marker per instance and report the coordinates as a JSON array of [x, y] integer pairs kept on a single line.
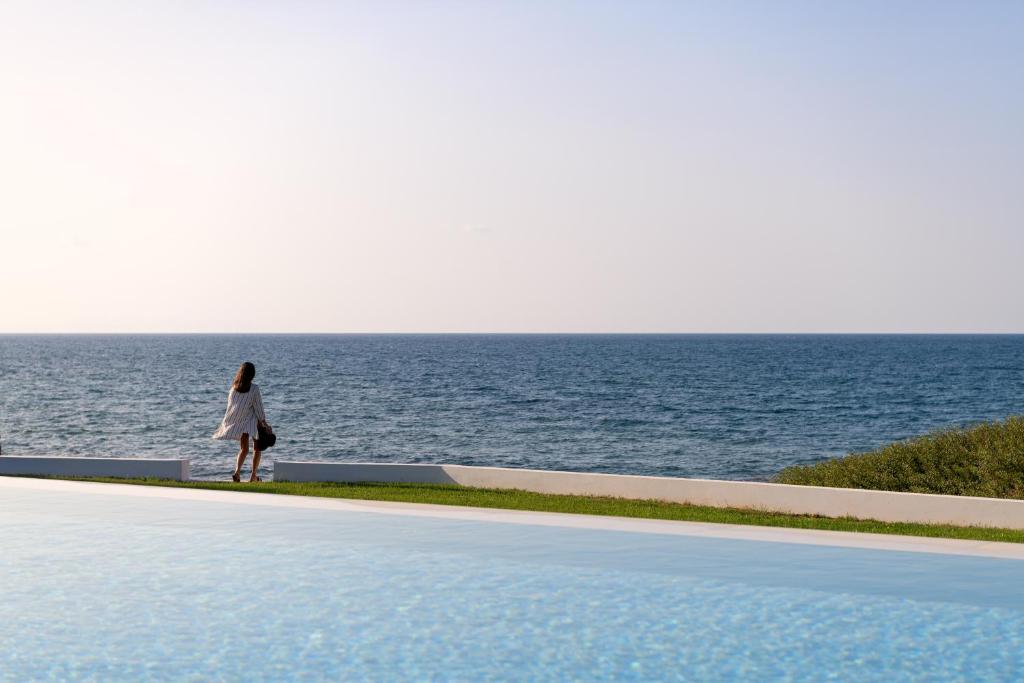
[[264, 438]]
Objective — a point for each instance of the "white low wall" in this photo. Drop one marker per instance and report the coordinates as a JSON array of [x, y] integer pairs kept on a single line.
[[176, 469], [884, 506]]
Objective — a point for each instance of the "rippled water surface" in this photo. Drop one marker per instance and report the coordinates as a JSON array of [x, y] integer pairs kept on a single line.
[[739, 407], [125, 588]]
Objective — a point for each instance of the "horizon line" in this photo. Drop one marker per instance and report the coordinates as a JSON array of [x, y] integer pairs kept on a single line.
[[533, 333]]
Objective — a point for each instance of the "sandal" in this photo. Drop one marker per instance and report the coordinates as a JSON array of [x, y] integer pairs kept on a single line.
[[236, 478], [253, 481]]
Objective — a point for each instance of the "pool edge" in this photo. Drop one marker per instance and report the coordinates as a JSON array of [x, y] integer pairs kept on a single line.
[[847, 539]]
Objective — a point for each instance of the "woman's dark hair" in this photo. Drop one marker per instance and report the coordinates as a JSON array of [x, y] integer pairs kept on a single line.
[[243, 378]]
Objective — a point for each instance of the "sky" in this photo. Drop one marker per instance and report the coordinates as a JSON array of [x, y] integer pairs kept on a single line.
[[524, 166]]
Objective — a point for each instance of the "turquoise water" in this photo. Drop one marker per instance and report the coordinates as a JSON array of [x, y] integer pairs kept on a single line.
[[100, 587], [720, 406]]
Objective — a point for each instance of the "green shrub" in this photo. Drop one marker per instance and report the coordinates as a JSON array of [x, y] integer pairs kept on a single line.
[[983, 460]]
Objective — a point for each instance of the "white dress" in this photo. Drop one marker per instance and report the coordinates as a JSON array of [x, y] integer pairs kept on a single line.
[[243, 413]]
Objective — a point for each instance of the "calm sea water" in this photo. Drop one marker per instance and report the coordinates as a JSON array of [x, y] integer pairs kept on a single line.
[[723, 406]]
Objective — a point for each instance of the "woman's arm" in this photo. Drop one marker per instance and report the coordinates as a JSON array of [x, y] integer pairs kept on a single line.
[[257, 406]]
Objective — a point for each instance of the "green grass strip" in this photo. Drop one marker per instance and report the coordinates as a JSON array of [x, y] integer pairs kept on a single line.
[[507, 499]]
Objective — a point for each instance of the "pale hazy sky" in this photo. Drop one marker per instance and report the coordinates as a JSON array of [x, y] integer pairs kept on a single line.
[[529, 166]]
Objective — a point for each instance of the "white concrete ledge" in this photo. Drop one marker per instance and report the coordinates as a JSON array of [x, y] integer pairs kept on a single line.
[[176, 469], [885, 506]]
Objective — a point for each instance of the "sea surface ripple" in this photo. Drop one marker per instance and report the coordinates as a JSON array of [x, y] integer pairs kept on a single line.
[[719, 406]]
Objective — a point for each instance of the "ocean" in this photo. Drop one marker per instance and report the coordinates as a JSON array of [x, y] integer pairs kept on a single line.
[[718, 406]]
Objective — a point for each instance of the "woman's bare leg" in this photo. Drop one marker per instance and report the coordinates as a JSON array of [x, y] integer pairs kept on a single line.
[[243, 450], [256, 453]]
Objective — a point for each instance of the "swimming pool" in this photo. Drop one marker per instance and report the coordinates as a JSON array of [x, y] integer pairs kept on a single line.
[[103, 583]]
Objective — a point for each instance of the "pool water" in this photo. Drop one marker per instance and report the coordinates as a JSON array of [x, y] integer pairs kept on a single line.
[[107, 587]]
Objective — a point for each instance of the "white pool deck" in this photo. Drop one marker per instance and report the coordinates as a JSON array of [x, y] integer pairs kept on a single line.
[[885, 506], [943, 546]]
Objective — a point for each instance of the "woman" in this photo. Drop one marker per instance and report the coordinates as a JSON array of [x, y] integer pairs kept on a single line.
[[243, 418]]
